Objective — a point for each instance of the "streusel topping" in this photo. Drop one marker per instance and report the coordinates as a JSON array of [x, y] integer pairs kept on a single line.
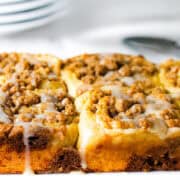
[[139, 110], [32, 91], [172, 72], [112, 67]]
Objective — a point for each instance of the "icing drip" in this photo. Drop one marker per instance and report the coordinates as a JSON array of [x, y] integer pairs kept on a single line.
[[4, 117], [26, 127], [115, 90], [128, 80], [28, 169]]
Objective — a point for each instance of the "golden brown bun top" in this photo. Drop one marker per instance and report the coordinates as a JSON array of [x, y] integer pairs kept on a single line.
[[114, 107], [91, 67], [31, 90]]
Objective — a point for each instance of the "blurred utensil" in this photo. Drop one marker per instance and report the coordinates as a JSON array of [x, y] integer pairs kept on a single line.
[[153, 45]]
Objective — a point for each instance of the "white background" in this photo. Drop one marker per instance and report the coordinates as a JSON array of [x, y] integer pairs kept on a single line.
[[99, 25]]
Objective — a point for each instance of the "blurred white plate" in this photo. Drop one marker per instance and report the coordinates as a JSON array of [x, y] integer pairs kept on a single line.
[[17, 27], [24, 16], [23, 6], [10, 1]]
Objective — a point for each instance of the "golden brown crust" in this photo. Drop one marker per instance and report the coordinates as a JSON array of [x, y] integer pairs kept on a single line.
[[43, 161], [158, 157]]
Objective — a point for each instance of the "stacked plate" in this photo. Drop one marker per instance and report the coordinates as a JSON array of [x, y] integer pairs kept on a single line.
[[18, 15]]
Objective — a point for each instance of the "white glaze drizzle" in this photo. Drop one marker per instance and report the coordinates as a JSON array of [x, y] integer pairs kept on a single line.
[[115, 90], [4, 117], [129, 80], [26, 134]]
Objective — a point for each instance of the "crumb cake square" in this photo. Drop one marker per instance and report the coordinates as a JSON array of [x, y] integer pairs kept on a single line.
[[121, 130], [38, 119]]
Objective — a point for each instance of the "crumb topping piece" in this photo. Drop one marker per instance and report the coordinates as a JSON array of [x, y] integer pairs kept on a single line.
[[171, 70]]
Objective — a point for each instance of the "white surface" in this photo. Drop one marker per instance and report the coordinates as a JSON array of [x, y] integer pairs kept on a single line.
[[109, 39], [56, 39], [104, 176], [92, 26]]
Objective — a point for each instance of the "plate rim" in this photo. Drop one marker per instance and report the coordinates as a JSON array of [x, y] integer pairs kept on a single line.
[[15, 18], [19, 27], [24, 6], [10, 1]]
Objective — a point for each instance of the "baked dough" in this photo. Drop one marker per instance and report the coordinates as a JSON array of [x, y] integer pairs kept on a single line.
[[119, 131]]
